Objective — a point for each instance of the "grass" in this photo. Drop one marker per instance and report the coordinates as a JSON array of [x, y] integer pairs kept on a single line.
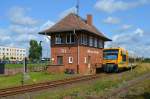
[[139, 91], [97, 88], [10, 66], [34, 77]]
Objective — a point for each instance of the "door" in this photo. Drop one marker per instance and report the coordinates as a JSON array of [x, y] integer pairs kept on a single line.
[[89, 64]]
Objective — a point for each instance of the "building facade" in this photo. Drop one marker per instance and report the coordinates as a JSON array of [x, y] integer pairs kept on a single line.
[[12, 54], [76, 45]]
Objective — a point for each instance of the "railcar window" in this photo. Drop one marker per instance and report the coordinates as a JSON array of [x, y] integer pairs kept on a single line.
[[123, 57], [110, 54]]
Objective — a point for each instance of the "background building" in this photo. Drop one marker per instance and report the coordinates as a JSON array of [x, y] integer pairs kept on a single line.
[[76, 45], [12, 54]]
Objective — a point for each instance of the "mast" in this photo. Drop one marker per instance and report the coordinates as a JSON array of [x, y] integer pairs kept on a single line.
[[77, 7]]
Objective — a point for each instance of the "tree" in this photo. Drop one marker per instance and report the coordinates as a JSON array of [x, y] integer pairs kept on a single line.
[[35, 50]]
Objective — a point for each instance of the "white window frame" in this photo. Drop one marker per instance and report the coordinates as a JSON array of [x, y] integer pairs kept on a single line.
[[70, 61]]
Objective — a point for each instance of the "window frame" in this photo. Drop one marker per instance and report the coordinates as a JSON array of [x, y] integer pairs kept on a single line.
[[84, 39], [60, 63], [71, 38], [70, 60], [91, 41], [58, 39]]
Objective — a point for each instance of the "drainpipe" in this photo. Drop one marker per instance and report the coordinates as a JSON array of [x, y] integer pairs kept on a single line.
[[78, 50]]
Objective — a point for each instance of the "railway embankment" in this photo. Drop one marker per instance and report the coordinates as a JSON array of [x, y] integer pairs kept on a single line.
[[98, 88]]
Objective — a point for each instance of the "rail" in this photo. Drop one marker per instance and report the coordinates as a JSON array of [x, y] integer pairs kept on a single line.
[[45, 85]]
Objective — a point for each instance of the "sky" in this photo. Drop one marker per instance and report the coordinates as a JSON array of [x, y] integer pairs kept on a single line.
[[126, 22]]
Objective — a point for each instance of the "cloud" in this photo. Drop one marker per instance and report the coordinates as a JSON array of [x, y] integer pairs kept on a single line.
[[111, 20], [139, 32], [67, 11], [132, 37], [4, 35], [135, 41], [111, 6], [46, 25], [17, 15], [22, 29], [125, 28]]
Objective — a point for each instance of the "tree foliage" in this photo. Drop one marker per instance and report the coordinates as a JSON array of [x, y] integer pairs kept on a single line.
[[35, 50]]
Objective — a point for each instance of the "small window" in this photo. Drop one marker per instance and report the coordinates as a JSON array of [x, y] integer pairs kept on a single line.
[[95, 42], [91, 41], [70, 38], [84, 39], [70, 59], [85, 60], [59, 60], [58, 39], [124, 58], [100, 44]]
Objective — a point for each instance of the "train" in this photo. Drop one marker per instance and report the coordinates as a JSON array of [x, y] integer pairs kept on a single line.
[[116, 59]]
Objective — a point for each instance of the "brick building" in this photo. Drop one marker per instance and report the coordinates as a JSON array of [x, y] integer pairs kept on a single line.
[[76, 45]]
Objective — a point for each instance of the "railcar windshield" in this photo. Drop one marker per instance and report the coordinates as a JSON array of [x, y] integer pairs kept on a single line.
[[111, 54]]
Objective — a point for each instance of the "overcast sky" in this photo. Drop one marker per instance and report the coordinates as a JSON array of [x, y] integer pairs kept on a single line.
[[126, 22]]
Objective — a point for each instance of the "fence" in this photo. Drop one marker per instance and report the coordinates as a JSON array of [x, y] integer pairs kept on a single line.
[[12, 69]]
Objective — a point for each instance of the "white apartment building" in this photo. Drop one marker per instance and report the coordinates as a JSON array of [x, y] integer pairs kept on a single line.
[[13, 54]]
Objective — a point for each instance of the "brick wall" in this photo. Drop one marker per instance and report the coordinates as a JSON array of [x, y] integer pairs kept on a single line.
[[85, 67]]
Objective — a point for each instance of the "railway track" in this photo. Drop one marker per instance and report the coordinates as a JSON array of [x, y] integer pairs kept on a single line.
[[40, 86]]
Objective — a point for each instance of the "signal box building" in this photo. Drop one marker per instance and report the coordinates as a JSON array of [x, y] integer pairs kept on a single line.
[[76, 45]]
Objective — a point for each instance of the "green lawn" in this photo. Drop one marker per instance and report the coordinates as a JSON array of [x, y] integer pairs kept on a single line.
[[35, 77], [97, 88]]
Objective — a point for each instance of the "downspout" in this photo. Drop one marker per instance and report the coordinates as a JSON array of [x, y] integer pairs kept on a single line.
[[78, 50]]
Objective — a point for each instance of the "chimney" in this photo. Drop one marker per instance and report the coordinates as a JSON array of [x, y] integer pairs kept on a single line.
[[89, 19]]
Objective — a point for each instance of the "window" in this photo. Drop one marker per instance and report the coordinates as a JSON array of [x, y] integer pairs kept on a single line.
[[85, 60], [91, 41], [110, 54], [100, 44], [124, 58], [95, 42], [70, 59], [59, 60], [58, 39], [84, 39], [70, 38]]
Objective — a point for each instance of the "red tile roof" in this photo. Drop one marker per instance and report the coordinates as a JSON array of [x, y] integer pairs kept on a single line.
[[71, 22]]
